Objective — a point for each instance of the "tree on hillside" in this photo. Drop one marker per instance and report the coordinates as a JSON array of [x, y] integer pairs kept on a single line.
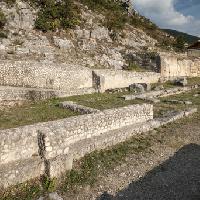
[[180, 43]]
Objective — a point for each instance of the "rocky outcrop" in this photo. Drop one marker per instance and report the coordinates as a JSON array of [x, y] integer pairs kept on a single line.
[[91, 44]]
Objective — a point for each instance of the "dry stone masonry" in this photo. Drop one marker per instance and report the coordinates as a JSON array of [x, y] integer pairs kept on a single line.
[[77, 108], [159, 93], [111, 79], [20, 148], [30, 151], [179, 66]]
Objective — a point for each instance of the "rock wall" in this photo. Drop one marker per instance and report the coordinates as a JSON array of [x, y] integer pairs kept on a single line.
[[43, 75], [110, 79], [179, 65], [20, 94], [27, 152]]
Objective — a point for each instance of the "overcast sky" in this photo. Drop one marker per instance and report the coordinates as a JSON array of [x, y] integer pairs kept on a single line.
[[182, 15]]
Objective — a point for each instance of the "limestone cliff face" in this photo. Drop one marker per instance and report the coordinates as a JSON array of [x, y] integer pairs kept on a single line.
[[91, 44]]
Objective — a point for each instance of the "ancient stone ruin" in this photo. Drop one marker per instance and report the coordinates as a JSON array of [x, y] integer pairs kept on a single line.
[[36, 66]]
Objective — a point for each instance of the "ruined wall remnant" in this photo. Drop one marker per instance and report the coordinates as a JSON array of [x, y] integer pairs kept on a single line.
[[44, 75], [23, 149], [179, 65], [111, 79]]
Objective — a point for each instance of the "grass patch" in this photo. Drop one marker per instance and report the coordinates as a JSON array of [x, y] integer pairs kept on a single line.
[[103, 101], [25, 191], [164, 106], [87, 170], [194, 81], [136, 68], [31, 113], [48, 110], [3, 19], [55, 15]]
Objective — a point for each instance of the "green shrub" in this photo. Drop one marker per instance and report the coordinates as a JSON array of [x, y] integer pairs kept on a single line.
[[3, 34], [180, 43], [55, 15], [115, 13], [9, 2], [2, 19]]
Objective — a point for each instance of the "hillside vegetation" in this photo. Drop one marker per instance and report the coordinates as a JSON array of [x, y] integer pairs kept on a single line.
[[54, 15], [187, 37]]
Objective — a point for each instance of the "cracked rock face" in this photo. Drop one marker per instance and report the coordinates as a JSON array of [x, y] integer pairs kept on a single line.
[[20, 16], [90, 45]]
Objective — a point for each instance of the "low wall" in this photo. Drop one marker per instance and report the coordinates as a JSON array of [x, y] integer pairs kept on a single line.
[[179, 65], [29, 151], [111, 79], [42, 75], [77, 108], [19, 94]]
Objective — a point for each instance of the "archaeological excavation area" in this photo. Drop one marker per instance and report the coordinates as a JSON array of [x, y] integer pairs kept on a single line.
[[54, 115]]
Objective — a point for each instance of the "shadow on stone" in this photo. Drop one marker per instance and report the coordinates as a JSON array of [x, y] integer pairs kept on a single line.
[[178, 178]]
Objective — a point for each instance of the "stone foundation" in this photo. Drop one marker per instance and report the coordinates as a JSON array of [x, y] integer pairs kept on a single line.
[[179, 66], [20, 94], [78, 108], [44, 75], [50, 145], [111, 79], [50, 148]]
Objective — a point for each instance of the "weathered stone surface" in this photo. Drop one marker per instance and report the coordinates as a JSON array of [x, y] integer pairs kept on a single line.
[[179, 66], [159, 93], [137, 88], [78, 108], [54, 196], [181, 81], [120, 125], [44, 75], [63, 43], [53, 141], [111, 79], [17, 95]]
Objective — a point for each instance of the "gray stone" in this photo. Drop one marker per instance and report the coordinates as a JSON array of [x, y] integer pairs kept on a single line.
[[188, 102], [54, 196], [63, 43], [77, 108], [147, 86], [139, 88], [182, 82], [160, 87]]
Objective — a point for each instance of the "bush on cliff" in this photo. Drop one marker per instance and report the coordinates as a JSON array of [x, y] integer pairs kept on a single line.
[[115, 13], [2, 19], [57, 14]]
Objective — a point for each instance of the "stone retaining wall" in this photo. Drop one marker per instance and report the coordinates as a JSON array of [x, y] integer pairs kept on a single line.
[[19, 94], [78, 108], [111, 79], [25, 151], [46, 76], [179, 65], [34, 166]]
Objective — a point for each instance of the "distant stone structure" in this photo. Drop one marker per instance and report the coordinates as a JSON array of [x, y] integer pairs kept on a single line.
[[194, 49], [172, 66]]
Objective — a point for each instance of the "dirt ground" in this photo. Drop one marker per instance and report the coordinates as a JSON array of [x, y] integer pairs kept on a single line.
[[168, 170]]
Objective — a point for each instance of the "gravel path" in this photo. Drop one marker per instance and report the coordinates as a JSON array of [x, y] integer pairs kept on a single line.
[[169, 170]]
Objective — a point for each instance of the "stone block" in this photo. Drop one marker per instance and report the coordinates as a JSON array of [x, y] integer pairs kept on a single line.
[[59, 165]]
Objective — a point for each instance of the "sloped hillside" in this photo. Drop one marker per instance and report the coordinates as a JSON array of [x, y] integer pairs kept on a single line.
[[91, 33], [187, 37]]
